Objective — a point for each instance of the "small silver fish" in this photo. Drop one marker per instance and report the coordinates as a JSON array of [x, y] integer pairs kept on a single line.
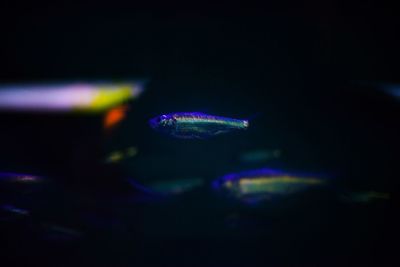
[[255, 156], [196, 125], [19, 182], [53, 232], [176, 187], [11, 213], [256, 185], [14, 210], [119, 155], [19, 178], [365, 197]]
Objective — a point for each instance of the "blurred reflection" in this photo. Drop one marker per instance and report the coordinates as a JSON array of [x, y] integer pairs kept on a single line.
[[114, 116], [75, 97]]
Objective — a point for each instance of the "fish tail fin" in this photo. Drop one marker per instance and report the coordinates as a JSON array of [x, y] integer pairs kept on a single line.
[[136, 185], [251, 118]]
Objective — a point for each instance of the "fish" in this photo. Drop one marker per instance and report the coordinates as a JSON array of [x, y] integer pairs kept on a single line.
[[255, 156], [83, 97], [119, 155], [196, 125], [392, 90], [20, 182], [365, 197], [11, 212], [176, 187], [19, 178], [263, 184], [54, 232]]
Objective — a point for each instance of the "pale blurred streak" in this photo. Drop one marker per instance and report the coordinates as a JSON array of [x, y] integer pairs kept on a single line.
[[73, 97]]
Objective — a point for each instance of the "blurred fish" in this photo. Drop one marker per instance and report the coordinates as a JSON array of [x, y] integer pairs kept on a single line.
[[74, 97], [390, 89], [53, 232], [176, 186], [192, 125], [114, 116], [11, 212], [255, 156], [365, 197], [253, 186], [19, 178], [15, 210], [393, 91], [19, 182], [140, 193], [119, 155]]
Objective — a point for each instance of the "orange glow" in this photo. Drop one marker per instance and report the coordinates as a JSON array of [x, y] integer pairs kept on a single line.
[[114, 116]]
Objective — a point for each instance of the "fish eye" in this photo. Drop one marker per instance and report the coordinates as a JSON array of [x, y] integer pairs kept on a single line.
[[160, 119]]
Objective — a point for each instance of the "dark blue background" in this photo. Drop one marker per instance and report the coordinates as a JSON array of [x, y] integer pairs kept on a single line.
[[307, 69]]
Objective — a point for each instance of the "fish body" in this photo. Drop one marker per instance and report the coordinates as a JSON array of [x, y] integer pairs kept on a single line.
[[256, 156], [176, 186], [14, 210], [365, 197], [11, 213], [57, 233], [196, 125], [19, 182], [264, 183], [20, 178], [119, 155]]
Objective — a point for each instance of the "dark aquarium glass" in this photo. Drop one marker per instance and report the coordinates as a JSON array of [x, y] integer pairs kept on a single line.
[[208, 135]]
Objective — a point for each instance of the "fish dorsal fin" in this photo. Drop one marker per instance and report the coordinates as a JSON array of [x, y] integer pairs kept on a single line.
[[198, 113], [194, 113]]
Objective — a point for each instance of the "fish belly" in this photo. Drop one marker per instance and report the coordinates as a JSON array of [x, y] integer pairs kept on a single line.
[[198, 129]]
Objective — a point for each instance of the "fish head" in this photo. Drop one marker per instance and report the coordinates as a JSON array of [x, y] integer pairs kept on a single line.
[[163, 122], [227, 184]]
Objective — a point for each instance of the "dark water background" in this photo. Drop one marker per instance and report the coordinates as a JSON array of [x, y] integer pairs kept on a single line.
[[295, 65]]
